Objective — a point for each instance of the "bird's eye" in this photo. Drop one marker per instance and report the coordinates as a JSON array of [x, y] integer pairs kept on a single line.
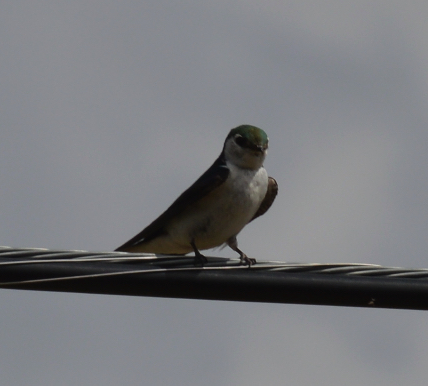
[[240, 140]]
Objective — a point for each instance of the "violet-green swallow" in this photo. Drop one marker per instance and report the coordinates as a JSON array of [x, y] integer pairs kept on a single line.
[[231, 193]]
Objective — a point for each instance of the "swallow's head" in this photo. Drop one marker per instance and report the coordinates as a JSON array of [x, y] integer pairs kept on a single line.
[[246, 146]]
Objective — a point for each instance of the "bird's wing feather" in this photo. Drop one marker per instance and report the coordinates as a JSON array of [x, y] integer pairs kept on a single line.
[[270, 196], [211, 179]]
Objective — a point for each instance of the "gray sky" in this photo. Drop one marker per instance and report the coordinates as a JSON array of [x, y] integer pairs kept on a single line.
[[110, 109]]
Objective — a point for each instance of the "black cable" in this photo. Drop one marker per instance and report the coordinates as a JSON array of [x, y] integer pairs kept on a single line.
[[353, 285]]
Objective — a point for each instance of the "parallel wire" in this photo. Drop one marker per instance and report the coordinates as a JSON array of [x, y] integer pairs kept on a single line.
[[147, 263]]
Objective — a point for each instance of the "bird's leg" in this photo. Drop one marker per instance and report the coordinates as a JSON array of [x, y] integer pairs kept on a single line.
[[233, 243], [199, 257]]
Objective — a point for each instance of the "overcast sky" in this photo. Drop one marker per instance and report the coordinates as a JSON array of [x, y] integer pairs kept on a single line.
[[110, 109]]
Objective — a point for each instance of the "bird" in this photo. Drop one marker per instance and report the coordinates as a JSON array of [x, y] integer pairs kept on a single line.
[[234, 191]]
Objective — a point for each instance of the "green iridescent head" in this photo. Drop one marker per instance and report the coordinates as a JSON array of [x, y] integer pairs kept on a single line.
[[248, 136]]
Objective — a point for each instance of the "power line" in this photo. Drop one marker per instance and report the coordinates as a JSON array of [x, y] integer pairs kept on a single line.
[[118, 273]]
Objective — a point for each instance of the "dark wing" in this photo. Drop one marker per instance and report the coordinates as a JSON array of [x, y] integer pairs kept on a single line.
[[210, 180], [271, 193]]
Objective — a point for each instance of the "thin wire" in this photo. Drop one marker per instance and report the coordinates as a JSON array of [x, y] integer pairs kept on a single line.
[[25, 256]]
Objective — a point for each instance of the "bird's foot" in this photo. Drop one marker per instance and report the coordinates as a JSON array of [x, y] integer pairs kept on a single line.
[[245, 260], [200, 259]]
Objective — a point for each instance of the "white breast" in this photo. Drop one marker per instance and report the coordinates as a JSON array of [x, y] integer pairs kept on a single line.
[[223, 213]]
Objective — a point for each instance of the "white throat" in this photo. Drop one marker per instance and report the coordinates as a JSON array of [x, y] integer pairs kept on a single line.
[[243, 158]]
